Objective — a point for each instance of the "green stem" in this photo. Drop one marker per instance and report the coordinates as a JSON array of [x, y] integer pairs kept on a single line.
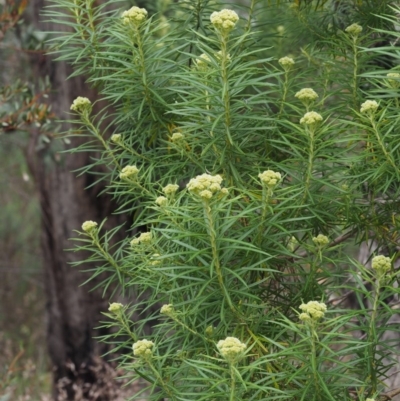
[[98, 135], [285, 90], [161, 381], [225, 88], [372, 340], [311, 133], [314, 363], [214, 248], [382, 145], [355, 72], [138, 40], [232, 393]]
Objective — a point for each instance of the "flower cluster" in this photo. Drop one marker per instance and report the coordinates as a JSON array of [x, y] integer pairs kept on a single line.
[[161, 201], [143, 349], [167, 310], [224, 20], [393, 79], [354, 29], [286, 62], [382, 264], [369, 107], [306, 95], [270, 178], [202, 62], [312, 311], [170, 189], [89, 226], [135, 15], [177, 137], [81, 104], [129, 173], [115, 307], [321, 240], [231, 349], [206, 185], [116, 138], [144, 238], [311, 118]]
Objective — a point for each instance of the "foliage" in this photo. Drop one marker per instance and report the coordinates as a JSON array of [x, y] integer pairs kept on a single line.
[[246, 188]]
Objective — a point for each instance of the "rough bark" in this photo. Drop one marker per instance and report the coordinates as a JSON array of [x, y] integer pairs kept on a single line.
[[72, 310]]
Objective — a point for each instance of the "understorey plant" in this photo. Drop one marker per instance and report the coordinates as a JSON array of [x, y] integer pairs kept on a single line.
[[250, 179]]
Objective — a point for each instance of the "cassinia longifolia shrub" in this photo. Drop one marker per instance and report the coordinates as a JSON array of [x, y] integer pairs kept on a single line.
[[251, 177]]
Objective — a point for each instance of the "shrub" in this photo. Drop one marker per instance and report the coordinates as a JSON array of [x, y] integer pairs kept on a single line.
[[249, 176]]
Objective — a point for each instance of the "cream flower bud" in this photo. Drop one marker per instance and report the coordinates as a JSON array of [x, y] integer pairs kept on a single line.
[[81, 104], [170, 189], [89, 226], [224, 20], [143, 349], [286, 62], [311, 118], [177, 137], [135, 15], [231, 349], [128, 173], [115, 307], [161, 201], [306, 95], [167, 310], [315, 310], [354, 29], [369, 106], [321, 240], [203, 62], [144, 238], [381, 263], [116, 138], [270, 178], [206, 194], [393, 79]]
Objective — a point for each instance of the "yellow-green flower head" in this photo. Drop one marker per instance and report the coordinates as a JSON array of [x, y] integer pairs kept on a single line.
[[167, 310], [203, 62], [231, 348], [154, 259], [306, 95], [321, 240], [224, 20], [115, 307], [370, 399], [293, 243], [161, 201], [205, 185], [170, 189], [286, 62], [280, 29], [369, 107], [135, 15], [116, 138], [209, 331], [144, 238], [311, 118], [218, 55], [354, 29], [393, 79], [270, 178], [381, 263], [143, 349], [89, 226], [314, 309], [177, 137], [81, 104], [129, 173]]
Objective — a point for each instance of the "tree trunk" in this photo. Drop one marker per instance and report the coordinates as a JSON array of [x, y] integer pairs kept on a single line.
[[72, 311]]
